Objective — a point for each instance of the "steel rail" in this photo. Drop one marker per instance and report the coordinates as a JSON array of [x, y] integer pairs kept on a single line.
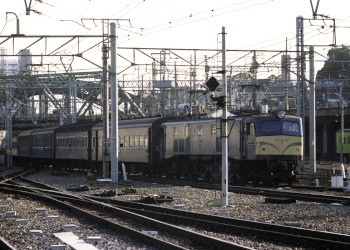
[[264, 230], [192, 236]]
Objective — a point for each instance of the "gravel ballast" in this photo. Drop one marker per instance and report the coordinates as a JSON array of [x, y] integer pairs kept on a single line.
[[310, 215]]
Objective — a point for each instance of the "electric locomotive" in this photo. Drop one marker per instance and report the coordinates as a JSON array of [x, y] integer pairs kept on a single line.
[[263, 148]]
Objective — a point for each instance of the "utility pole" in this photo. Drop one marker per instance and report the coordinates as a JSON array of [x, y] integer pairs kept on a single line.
[[312, 115], [342, 125], [300, 73], [9, 98], [105, 92], [286, 74], [224, 179], [105, 101], [254, 71], [176, 93], [300, 65], [114, 105]]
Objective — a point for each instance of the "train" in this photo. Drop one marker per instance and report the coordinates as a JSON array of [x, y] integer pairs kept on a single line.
[[261, 148], [346, 144]]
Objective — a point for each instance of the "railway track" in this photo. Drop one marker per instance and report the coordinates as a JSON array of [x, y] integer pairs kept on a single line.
[[313, 197], [171, 237], [163, 218], [223, 224]]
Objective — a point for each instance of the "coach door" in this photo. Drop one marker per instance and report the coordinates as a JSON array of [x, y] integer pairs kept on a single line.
[[89, 145], [244, 140], [149, 147]]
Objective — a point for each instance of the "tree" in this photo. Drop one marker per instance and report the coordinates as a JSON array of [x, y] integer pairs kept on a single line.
[[338, 63]]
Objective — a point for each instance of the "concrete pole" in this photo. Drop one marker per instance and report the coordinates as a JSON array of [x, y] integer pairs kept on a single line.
[[9, 95], [342, 125], [114, 106], [224, 179], [105, 97], [312, 116]]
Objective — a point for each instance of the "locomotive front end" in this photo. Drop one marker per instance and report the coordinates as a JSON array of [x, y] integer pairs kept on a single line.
[[279, 143], [279, 136]]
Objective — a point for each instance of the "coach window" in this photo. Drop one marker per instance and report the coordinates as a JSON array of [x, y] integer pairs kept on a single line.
[[213, 129], [94, 142], [126, 140], [132, 141], [175, 132], [141, 141], [199, 131], [121, 141], [146, 140], [137, 140]]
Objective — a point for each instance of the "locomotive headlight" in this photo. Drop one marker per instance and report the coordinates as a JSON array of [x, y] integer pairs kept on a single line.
[[281, 114]]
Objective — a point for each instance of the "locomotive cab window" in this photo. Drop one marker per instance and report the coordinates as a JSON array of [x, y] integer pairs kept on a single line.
[[290, 126], [278, 127], [186, 131], [250, 129]]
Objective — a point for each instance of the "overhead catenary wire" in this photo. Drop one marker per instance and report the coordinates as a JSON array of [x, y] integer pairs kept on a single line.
[[182, 18], [206, 12], [137, 3]]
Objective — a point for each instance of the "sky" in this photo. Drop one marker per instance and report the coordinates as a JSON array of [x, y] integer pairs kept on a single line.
[[181, 24]]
